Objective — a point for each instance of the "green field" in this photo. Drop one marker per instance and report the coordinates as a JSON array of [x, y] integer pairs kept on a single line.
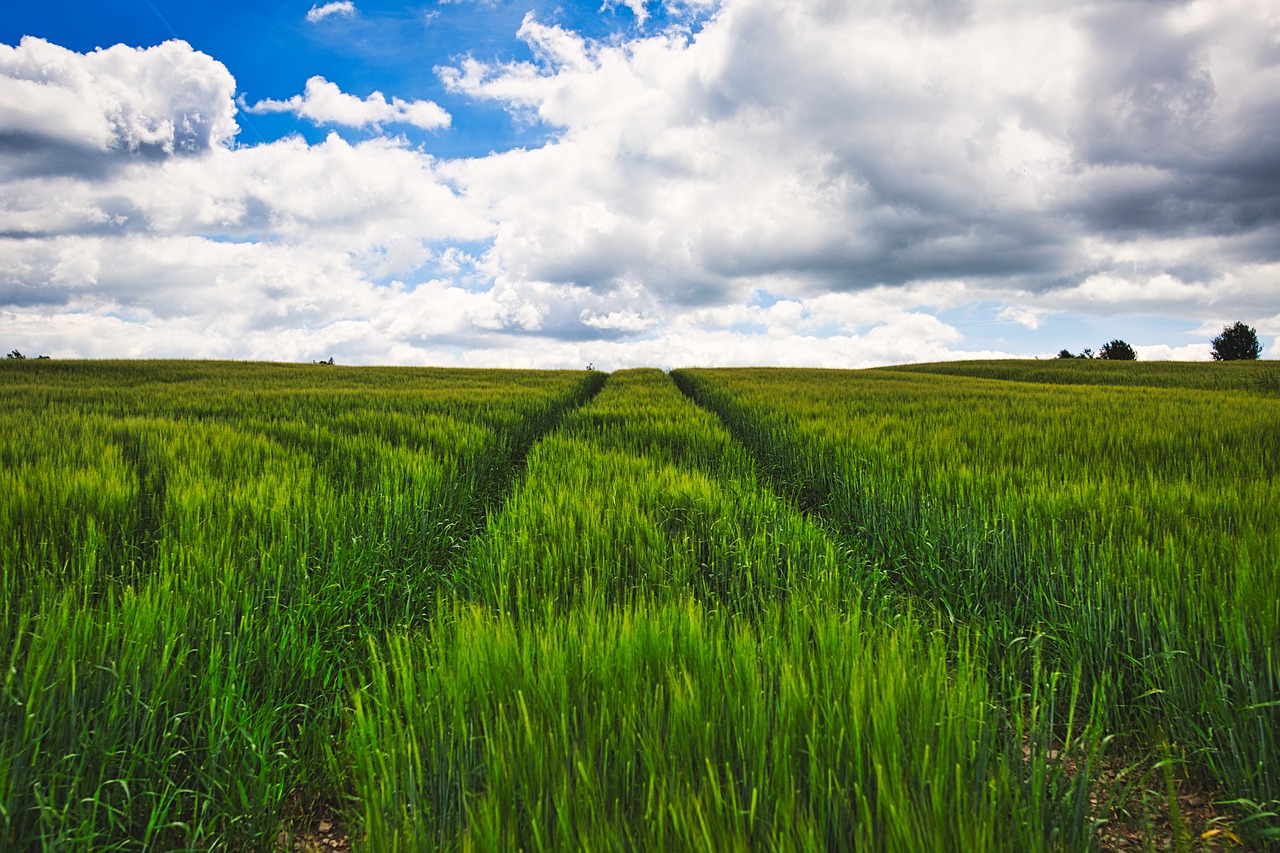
[[975, 606]]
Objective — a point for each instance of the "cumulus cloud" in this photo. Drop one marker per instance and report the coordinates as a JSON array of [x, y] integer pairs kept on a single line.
[[344, 8], [323, 102], [1029, 152], [66, 112]]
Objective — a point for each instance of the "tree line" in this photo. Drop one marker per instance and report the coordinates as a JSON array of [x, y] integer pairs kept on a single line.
[[1237, 342]]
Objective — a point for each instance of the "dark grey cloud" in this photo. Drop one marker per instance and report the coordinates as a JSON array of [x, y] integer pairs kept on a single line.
[[27, 154], [1178, 129], [1148, 94], [19, 294]]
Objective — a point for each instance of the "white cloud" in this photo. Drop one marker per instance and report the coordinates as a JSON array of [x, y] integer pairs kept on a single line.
[[637, 8], [323, 102], [345, 9], [1164, 352], [1020, 314], [162, 100], [620, 321]]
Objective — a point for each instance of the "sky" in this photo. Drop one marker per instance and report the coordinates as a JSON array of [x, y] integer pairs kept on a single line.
[[531, 183]]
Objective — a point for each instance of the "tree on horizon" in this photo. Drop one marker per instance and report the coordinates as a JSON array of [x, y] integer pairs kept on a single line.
[[1237, 342], [1117, 350]]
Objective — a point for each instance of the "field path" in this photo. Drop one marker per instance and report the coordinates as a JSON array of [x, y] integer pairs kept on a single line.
[[647, 648], [640, 494]]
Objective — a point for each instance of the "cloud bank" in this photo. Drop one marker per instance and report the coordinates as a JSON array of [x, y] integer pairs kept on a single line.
[[808, 183]]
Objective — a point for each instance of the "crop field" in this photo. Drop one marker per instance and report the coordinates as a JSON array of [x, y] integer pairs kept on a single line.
[[947, 607]]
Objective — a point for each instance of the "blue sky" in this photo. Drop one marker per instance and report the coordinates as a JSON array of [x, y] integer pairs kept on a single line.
[[272, 50], [665, 182]]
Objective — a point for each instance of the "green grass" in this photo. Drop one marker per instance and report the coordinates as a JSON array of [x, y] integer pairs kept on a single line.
[[891, 610], [680, 727], [1131, 527], [193, 557], [653, 651]]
